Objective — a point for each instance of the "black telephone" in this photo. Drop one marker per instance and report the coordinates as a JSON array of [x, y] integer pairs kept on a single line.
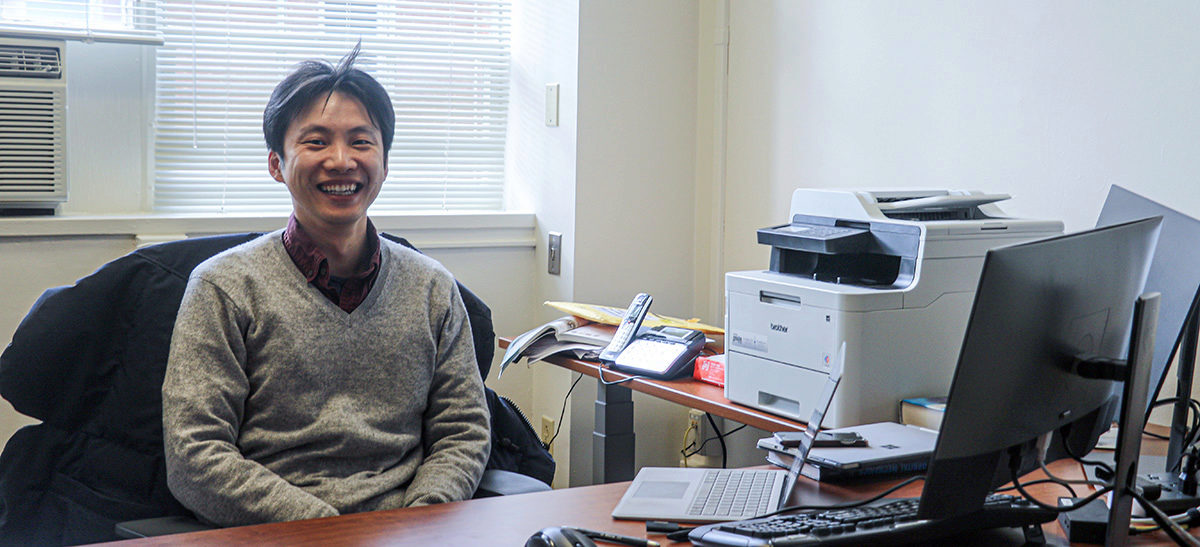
[[662, 352]]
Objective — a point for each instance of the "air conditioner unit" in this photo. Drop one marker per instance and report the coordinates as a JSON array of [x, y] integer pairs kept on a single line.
[[33, 99]]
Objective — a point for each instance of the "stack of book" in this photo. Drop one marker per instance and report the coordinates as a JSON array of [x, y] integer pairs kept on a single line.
[[891, 449]]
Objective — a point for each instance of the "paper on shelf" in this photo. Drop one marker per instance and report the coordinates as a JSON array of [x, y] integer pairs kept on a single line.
[[612, 316]]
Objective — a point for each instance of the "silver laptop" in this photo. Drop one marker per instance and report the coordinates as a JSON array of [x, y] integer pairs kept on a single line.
[[706, 495]]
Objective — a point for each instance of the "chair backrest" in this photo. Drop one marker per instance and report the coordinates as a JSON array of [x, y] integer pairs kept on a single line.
[[88, 360]]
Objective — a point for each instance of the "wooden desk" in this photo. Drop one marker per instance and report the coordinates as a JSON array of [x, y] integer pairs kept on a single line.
[[613, 438], [509, 520]]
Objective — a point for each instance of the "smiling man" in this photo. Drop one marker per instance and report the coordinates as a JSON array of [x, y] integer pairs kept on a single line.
[[320, 369]]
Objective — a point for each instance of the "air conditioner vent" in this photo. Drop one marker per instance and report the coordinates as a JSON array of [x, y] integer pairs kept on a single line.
[[23, 61], [33, 97]]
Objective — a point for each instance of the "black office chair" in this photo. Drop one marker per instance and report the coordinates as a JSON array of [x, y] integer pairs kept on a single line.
[[88, 360]]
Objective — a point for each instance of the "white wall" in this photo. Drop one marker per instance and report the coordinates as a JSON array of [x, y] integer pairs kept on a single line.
[[540, 176], [1050, 102], [635, 191], [615, 178]]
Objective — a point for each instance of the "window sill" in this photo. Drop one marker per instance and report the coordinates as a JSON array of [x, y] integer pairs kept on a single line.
[[425, 230]]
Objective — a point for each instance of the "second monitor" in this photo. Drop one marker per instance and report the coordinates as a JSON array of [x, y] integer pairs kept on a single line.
[[1040, 308]]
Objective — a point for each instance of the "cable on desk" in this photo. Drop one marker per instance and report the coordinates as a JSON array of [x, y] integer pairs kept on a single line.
[[1145, 525], [1064, 434], [1172, 528], [1014, 469], [1193, 431], [1191, 436]]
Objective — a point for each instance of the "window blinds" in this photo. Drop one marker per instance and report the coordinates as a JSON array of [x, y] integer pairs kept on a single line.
[[130, 21], [444, 63]]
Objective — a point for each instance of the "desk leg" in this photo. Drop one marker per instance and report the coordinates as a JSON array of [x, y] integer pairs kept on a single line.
[[612, 438]]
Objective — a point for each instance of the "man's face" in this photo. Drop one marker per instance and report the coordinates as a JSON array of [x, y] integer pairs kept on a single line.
[[332, 163]]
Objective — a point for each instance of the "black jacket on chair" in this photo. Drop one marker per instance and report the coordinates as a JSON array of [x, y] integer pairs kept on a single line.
[[88, 360]]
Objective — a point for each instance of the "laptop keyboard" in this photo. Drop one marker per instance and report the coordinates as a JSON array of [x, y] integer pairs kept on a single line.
[[733, 492]]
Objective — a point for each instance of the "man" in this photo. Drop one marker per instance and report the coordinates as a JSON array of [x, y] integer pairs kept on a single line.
[[320, 369]]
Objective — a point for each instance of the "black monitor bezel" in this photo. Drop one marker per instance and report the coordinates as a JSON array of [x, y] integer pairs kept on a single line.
[[986, 424]]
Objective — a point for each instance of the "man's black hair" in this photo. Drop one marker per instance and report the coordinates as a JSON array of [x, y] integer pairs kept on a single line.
[[314, 78]]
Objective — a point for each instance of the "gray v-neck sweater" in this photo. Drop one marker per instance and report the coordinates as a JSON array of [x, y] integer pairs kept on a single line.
[[278, 405]]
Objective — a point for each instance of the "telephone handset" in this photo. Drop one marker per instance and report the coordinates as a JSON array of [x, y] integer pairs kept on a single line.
[[628, 328]]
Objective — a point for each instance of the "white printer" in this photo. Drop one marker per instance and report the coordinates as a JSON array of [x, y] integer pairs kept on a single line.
[[891, 273]]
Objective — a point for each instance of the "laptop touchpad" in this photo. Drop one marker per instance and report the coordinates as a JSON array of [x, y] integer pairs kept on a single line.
[[662, 489]]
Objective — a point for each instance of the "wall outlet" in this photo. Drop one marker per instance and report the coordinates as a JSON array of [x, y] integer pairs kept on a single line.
[[548, 432], [697, 425], [696, 421], [704, 431]]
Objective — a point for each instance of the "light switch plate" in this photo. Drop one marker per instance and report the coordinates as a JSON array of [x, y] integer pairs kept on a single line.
[[554, 252], [552, 105]]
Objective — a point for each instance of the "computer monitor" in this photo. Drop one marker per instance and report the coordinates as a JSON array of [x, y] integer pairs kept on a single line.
[[1039, 307], [1175, 274]]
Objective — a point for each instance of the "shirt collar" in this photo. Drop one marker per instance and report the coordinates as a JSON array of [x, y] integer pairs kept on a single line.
[[313, 264]]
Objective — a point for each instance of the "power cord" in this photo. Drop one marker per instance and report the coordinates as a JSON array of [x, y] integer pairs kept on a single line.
[[600, 376], [1194, 426], [1103, 470], [714, 437], [1172, 528], [1146, 525], [720, 439], [563, 412], [1014, 469]]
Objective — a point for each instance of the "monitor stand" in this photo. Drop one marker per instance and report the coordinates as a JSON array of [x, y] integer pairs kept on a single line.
[[1134, 378], [1132, 419], [1177, 495]]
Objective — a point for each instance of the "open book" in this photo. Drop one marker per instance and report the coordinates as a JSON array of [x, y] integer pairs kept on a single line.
[[566, 334]]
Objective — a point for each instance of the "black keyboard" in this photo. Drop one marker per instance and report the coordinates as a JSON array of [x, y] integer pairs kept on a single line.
[[886, 521]]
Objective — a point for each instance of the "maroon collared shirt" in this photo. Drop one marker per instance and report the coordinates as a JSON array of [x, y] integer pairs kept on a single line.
[[347, 292]]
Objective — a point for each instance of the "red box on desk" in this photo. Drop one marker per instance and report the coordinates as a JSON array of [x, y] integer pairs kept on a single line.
[[710, 369]]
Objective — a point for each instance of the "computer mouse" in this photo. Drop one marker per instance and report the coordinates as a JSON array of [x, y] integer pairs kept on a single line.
[[559, 536]]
